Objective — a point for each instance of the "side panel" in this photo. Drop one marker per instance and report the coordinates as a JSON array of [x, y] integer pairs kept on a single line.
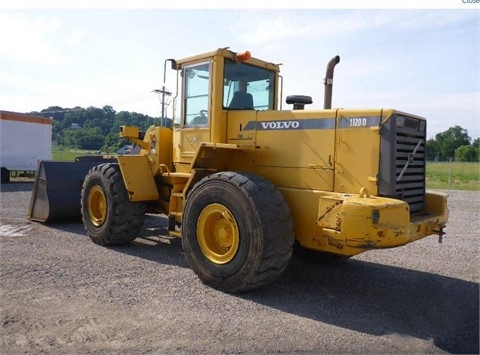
[[294, 148], [138, 177], [358, 146], [218, 157], [303, 206], [191, 139], [236, 123]]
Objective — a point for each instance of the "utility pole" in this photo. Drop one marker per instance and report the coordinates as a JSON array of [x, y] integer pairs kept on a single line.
[[164, 93]]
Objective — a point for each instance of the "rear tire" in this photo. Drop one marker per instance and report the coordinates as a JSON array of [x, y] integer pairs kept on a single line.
[[108, 215], [237, 231]]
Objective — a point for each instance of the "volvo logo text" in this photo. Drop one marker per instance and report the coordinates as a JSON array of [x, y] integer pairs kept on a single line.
[[280, 125]]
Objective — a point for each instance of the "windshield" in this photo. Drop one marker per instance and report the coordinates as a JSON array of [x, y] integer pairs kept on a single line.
[[247, 87]]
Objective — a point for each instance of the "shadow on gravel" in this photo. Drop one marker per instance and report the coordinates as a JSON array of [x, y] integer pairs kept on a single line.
[[160, 250], [362, 296], [68, 226], [379, 300], [154, 244]]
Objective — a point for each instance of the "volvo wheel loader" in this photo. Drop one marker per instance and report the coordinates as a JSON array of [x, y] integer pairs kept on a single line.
[[242, 181]]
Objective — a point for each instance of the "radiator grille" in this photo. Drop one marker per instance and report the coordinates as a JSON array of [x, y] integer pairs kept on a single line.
[[403, 144]]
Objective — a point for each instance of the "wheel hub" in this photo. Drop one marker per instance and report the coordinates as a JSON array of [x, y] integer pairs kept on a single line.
[[217, 234], [97, 206]]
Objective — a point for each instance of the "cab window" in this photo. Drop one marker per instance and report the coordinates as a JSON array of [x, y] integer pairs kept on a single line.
[[197, 94], [247, 87]]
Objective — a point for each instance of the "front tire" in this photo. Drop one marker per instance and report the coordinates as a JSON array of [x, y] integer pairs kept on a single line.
[[108, 215], [237, 231]]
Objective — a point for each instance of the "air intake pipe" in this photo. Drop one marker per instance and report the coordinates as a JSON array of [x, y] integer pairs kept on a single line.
[[328, 81]]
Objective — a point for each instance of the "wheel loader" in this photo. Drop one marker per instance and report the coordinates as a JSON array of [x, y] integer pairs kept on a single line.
[[244, 181]]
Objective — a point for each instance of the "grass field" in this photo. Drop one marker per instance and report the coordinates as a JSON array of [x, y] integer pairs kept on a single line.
[[453, 176], [443, 175], [68, 154]]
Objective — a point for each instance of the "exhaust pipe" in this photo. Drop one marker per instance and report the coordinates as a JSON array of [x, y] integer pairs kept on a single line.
[[328, 81]]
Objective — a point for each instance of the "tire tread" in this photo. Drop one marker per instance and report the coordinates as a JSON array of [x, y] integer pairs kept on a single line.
[[276, 222], [127, 217]]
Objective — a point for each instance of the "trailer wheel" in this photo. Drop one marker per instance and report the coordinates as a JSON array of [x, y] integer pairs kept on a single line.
[[108, 215], [237, 231]]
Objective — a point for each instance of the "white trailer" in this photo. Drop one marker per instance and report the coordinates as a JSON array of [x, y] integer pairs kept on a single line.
[[24, 140]]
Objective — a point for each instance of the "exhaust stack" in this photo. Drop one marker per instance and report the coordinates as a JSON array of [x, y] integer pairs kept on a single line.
[[328, 81]]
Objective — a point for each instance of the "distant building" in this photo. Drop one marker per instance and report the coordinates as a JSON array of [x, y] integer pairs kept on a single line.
[[24, 140]]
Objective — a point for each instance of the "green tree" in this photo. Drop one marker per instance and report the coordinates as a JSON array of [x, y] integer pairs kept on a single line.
[[90, 138], [102, 124], [56, 112], [466, 153], [69, 137], [450, 140], [93, 127], [432, 149]]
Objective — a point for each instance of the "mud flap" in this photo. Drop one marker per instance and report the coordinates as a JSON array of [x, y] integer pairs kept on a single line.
[[57, 190]]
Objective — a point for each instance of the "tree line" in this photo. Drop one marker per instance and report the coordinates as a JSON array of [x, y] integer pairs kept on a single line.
[[96, 129], [453, 144]]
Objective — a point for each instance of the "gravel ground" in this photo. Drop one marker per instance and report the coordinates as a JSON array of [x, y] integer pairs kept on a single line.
[[63, 294]]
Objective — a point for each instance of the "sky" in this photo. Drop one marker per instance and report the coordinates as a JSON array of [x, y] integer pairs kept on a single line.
[[420, 57]]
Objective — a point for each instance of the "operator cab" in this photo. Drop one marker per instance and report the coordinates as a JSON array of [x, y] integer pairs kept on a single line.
[[215, 92], [245, 87]]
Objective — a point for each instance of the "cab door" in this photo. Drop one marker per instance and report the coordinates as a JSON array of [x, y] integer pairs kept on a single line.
[[196, 107]]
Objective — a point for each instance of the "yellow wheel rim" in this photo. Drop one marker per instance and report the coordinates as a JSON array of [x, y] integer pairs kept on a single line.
[[97, 205], [217, 234]]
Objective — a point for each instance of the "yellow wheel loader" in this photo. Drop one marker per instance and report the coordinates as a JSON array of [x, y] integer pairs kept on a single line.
[[242, 181]]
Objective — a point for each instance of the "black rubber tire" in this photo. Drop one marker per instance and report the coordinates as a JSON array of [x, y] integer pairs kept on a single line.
[[265, 229], [124, 219]]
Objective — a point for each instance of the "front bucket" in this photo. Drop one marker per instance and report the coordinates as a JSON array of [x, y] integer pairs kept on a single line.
[[57, 190]]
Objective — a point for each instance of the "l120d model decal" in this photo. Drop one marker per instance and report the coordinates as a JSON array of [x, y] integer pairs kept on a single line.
[[359, 122]]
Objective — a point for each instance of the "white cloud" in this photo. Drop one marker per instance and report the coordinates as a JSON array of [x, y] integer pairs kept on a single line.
[[273, 27], [29, 40], [431, 18], [76, 37]]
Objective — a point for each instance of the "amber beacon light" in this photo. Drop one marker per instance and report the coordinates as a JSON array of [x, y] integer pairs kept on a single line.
[[240, 57]]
